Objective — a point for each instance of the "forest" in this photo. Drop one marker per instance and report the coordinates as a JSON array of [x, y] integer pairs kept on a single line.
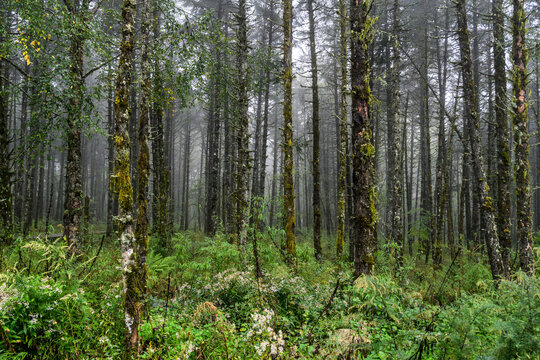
[[270, 179]]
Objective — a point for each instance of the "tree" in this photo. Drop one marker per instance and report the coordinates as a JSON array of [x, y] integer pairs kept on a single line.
[[6, 203], [243, 165], [504, 218], [316, 136], [160, 205], [73, 192], [520, 58], [343, 130], [394, 139], [477, 156], [365, 213], [287, 145], [121, 180]]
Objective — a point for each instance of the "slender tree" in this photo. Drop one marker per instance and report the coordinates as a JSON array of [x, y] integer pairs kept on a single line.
[[520, 105], [477, 156], [343, 130], [243, 165], [316, 166], [73, 192], [365, 213], [287, 146], [504, 218], [394, 139], [121, 180]]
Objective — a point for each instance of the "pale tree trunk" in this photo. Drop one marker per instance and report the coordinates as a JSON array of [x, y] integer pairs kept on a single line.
[[520, 120], [122, 186], [365, 213]]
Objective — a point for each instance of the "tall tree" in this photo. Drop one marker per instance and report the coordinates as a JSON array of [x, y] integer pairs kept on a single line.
[[122, 182], [365, 213], [395, 180], [6, 220], [73, 193], [160, 205], [242, 210], [316, 166], [504, 218], [143, 170], [520, 105], [477, 156], [343, 130], [287, 146]]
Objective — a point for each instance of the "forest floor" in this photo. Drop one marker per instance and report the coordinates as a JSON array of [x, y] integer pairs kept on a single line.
[[204, 302]]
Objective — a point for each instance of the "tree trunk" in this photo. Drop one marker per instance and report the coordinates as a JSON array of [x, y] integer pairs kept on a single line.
[[6, 219], [520, 120], [482, 188], [316, 166], [243, 164], [121, 180], [287, 146], [343, 131], [365, 213], [504, 170], [395, 154], [73, 191]]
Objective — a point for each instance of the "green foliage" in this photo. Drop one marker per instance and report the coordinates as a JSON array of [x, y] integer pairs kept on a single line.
[[205, 302]]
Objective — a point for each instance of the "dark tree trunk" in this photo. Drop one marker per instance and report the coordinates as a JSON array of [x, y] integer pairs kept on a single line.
[[482, 188], [365, 213], [316, 166], [504, 170]]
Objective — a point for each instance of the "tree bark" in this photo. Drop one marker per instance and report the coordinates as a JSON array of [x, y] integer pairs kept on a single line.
[[504, 218], [482, 188], [316, 166], [287, 146], [365, 213], [121, 180], [520, 120]]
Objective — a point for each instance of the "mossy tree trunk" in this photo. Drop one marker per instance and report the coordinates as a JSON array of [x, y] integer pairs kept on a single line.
[[243, 165], [316, 166], [160, 206], [343, 131], [395, 154], [268, 79], [121, 181], [73, 191], [477, 156], [143, 165], [365, 213], [287, 146], [442, 156], [520, 58], [504, 218]]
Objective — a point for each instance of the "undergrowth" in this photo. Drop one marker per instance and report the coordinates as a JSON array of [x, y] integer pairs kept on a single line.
[[204, 302]]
